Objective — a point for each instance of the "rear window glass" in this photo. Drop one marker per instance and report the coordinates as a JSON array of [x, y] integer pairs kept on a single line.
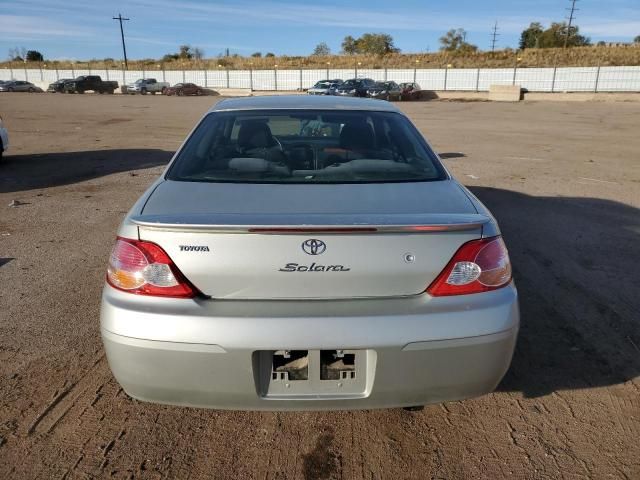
[[282, 146]]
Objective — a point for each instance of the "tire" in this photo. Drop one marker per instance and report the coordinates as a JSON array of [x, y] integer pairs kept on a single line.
[[31, 89], [110, 91], [10, 89], [80, 91], [164, 90], [143, 91], [180, 93]]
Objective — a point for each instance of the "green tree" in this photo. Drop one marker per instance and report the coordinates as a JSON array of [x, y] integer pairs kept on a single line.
[[34, 56], [637, 39], [256, 54], [536, 36], [185, 52], [270, 55], [349, 45], [529, 37], [455, 40], [198, 53], [322, 49], [376, 44]]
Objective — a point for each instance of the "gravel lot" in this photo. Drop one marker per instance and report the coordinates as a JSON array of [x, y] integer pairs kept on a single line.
[[563, 179]]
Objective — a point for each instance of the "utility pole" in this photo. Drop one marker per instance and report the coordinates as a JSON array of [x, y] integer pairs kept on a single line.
[[494, 36], [573, 9], [120, 18]]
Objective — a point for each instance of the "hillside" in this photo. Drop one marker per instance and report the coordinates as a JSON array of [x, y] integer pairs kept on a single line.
[[571, 57]]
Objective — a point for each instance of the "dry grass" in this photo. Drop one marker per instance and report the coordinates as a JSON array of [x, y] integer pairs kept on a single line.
[[571, 57]]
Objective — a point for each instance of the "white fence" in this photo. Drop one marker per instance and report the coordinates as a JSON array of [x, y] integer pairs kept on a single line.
[[566, 79]]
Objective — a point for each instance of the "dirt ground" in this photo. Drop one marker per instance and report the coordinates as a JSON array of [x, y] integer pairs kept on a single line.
[[563, 179]]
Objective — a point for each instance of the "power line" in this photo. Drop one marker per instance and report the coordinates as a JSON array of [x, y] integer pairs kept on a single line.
[[571, 19], [120, 18], [494, 36]]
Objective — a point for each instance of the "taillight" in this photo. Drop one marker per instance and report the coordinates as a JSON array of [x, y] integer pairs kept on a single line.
[[145, 269], [477, 266]]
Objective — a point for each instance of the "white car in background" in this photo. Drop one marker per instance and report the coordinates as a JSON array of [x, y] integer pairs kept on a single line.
[[4, 138], [147, 85]]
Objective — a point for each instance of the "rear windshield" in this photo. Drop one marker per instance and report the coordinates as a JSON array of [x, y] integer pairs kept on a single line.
[[281, 146]]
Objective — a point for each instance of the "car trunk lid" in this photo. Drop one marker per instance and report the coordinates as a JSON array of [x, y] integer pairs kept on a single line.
[[257, 241]]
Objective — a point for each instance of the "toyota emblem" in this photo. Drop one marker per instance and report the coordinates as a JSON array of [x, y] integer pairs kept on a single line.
[[313, 246]]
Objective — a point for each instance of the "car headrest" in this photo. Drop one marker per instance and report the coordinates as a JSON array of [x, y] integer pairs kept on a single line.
[[255, 135], [357, 136]]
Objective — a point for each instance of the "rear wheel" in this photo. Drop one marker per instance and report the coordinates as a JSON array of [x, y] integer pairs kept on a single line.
[[31, 89], [164, 90], [143, 91], [180, 93], [10, 89]]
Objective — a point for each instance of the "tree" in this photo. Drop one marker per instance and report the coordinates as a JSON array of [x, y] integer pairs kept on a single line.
[[455, 40], [185, 52], [535, 36], [269, 54], [256, 54], [376, 44], [17, 54], [322, 49], [198, 53], [34, 56], [369, 44], [530, 36], [349, 46], [637, 39]]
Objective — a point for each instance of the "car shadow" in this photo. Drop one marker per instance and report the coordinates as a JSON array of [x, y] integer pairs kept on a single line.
[[27, 172], [450, 155], [574, 266]]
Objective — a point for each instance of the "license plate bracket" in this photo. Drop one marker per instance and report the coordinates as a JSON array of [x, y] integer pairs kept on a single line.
[[313, 374]]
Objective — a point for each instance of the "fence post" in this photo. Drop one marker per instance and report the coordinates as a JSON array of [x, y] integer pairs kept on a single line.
[[11, 72], [446, 74], [124, 81], [385, 74], [163, 74], [143, 74], [515, 70], [553, 79], [107, 72], [595, 89], [58, 74], [26, 77], [415, 74], [478, 80], [73, 73], [41, 74], [183, 76], [275, 78], [251, 78], [227, 72], [89, 67], [206, 84], [301, 79]]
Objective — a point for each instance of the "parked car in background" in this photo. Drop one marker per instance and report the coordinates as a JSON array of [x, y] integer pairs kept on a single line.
[[385, 91], [19, 86], [355, 87], [87, 83], [410, 91], [4, 138], [324, 87], [58, 85], [181, 89], [147, 85], [275, 267]]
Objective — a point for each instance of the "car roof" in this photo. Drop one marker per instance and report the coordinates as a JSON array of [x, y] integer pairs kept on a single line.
[[303, 102]]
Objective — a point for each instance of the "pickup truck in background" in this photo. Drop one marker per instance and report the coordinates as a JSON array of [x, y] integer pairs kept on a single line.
[[147, 85], [90, 82]]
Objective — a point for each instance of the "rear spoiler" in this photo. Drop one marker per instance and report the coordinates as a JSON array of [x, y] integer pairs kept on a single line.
[[313, 223]]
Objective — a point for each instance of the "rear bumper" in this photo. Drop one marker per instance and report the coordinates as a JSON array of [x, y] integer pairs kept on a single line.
[[204, 355]]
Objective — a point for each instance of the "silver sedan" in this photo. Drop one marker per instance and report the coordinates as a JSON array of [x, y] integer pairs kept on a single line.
[[308, 253]]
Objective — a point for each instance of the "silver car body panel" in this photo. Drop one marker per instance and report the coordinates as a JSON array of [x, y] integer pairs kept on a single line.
[[209, 351]]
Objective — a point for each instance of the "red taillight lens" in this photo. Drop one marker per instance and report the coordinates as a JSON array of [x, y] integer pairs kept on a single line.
[[477, 266], [144, 268]]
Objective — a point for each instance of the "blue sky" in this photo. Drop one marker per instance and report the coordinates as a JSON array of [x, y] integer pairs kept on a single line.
[[85, 29]]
